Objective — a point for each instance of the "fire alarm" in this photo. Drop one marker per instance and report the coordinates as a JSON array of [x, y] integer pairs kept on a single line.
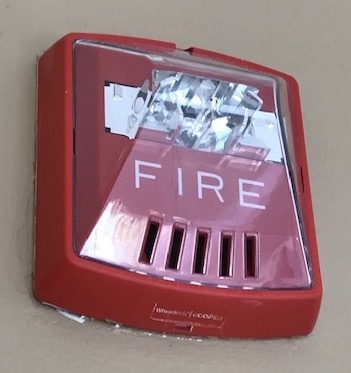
[[172, 191]]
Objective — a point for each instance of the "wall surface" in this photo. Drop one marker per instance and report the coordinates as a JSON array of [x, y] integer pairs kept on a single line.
[[307, 39]]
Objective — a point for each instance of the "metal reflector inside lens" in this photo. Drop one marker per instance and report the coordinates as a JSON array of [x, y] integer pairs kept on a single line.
[[201, 113], [198, 113]]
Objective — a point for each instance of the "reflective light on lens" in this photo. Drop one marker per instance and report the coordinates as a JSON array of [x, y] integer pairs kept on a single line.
[[195, 112], [206, 114]]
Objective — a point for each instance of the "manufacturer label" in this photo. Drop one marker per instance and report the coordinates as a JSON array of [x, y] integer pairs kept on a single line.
[[193, 316]]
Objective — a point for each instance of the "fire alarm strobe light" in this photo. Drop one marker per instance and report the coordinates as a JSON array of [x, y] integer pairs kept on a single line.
[[173, 191]]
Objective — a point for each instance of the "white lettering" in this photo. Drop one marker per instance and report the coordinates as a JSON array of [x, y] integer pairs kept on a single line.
[[205, 180], [139, 175], [243, 193], [201, 185], [180, 181]]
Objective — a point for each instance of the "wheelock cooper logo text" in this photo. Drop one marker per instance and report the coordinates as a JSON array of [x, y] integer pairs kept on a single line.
[[187, 316]]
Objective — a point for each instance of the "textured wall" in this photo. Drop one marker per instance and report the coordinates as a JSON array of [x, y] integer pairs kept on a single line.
[[309, 40]]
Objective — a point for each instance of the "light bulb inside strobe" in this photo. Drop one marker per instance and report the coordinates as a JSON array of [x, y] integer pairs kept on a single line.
[[200, 113], [197, 113]]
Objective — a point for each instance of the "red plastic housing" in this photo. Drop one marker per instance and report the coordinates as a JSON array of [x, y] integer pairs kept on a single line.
[[80, 168]]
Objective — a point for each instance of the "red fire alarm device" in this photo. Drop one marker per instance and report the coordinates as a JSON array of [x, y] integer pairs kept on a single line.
[[172, 191]]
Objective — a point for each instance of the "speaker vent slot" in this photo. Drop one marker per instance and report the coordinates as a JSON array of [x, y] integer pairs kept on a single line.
[[175, 247], [250, 255], [226, 255], [150, 239], [201, 248]]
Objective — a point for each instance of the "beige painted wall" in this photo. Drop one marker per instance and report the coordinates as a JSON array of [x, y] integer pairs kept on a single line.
[[308, 39]]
